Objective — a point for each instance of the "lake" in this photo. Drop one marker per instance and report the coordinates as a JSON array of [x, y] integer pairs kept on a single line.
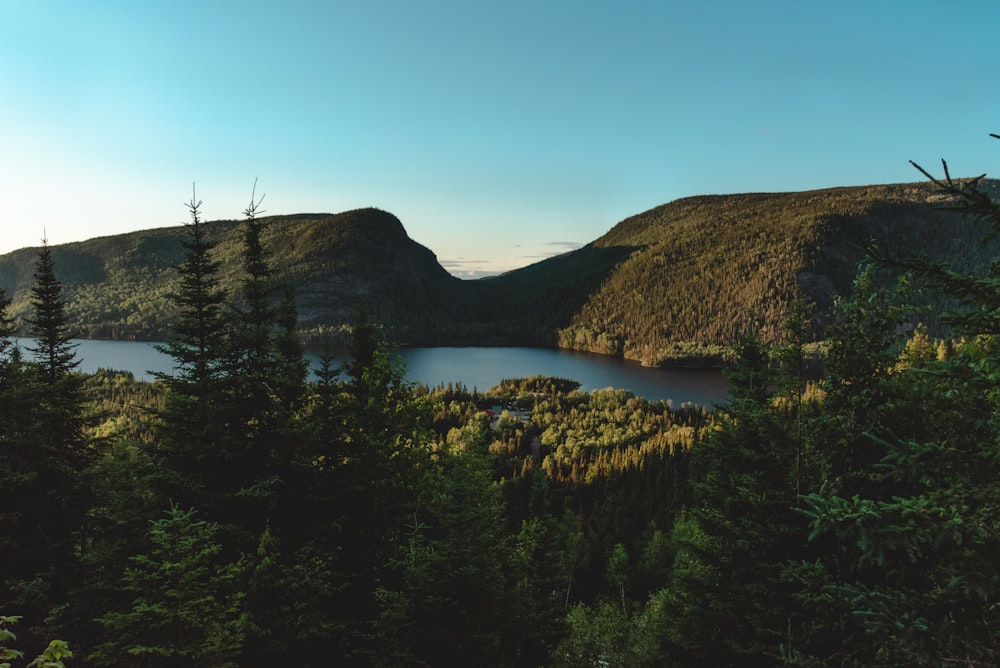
[[475, 367]]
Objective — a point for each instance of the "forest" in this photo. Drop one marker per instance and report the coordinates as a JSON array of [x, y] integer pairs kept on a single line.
[[675, 285], [244, 513]]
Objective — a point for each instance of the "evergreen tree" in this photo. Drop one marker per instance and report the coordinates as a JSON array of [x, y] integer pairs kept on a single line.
[[722, 603], [230, 438], [253, 330], [198, 332], [371, 475], [227, 428], [442, 598], [42, 456], [363, 348], [264, 376], [186, 606], [906, 529], [20, 460], [55, 355], [49, 326], [187, 448]]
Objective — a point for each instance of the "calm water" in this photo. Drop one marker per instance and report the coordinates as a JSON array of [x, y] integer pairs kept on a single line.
[[479, 368]]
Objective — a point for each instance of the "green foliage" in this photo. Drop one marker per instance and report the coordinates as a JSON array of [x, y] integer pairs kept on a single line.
[[903, 531], [723, 602], [610, 636], [186, 605], [49, 323], [51, 657], [8, 637], [42, 451], [353, 519], [445, 609]]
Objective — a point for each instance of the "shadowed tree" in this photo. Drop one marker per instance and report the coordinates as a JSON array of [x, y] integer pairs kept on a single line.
[[49, 325], [906, 522], [40, 463], [722, 603], [185, 610], [187, 450]]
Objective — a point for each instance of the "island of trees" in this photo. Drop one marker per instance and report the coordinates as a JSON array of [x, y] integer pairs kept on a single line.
[[243, 513]]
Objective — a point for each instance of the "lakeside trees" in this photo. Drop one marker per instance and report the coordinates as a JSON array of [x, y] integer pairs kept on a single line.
[[260, 517]]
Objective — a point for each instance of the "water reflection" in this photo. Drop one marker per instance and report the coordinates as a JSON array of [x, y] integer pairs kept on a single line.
[[475, 367]]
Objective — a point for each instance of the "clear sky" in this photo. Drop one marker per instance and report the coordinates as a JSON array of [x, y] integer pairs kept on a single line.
[[499, 132]]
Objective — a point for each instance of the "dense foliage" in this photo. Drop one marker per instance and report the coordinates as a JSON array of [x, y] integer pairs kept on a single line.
[[241, 513]]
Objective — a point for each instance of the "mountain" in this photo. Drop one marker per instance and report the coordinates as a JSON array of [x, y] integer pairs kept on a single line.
[[676, 281], [118, 287], [705, 268]]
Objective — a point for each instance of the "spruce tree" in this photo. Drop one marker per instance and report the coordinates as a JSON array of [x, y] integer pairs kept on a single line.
[[265, 375], [373, 478], [254, 329], [905, 528], [20, 459], [198, 332], [49, 325], [721, 605], [42, 458], [187, 450], [55, 356], [185, 607], [449, 589]]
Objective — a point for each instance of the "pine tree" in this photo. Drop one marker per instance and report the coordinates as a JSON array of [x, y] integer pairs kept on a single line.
[[42, 455], [906, 527], [198, 332], [186, 605], [264, 380], [722, 604], [187, 448], [53, 349]]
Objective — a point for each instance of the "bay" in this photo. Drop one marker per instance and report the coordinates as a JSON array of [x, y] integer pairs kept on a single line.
[[475, 367]]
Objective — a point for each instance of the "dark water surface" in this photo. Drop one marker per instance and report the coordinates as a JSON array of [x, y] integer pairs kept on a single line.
[[475, 367]]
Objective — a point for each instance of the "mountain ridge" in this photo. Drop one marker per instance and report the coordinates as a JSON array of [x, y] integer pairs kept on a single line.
[[679, 280]]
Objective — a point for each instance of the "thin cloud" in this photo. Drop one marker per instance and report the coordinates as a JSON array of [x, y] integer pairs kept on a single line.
[[558, 248], [470, 269], [565, 246]]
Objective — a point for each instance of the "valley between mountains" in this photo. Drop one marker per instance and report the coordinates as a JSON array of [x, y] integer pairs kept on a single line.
[[673, 285]]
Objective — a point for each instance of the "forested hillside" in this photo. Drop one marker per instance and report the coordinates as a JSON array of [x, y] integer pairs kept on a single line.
[[119, 287], [240, 513], [678, 282], [705, 269]]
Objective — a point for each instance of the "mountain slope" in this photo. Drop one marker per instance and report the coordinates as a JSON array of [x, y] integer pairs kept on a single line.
[[668, 283], [706, 268], [118, 287]]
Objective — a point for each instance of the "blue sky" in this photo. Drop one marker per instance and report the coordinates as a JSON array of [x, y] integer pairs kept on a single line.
[[498, 132]]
